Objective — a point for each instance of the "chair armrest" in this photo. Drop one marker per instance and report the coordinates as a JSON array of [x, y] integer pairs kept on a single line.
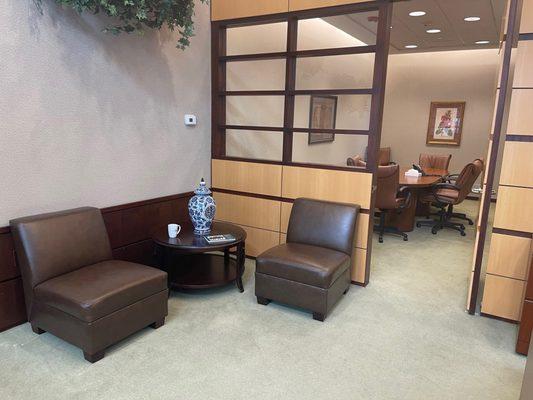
[[405, 192], [451, 178]]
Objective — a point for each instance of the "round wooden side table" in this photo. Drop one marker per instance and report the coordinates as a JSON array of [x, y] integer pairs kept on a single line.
[[190, 260]]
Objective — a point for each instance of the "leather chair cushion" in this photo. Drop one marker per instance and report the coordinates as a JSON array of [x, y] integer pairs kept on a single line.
[[311, 265], [98, 290], [450, 194]]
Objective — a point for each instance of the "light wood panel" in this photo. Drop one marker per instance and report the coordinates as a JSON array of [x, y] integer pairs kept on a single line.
[[513, 209], [359, 265], [509, 256], [526, 26], [229, 9], [250, 211], [503, 297], [520, 115], [286, 209], [295, 5], [259, 240], [247, 177], [282, 238], [326, 184], [517, 165], [523, 75], [361, 230]]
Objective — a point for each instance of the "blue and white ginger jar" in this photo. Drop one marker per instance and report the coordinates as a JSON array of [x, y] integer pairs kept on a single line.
[[202, 208]]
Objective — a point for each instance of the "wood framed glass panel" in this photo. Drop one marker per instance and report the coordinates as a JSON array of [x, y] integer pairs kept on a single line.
[[352, 112], [255, 110], [338, 31], [255, 75], [250, 39], [256, 145]]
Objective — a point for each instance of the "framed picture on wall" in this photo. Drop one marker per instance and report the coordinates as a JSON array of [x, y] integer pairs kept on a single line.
[[446, 123], [322, 115]]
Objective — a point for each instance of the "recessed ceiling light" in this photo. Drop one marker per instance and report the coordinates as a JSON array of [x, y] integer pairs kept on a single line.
[[472, 19], [433, 31], [483, 42], [411, 46], [417, 13]]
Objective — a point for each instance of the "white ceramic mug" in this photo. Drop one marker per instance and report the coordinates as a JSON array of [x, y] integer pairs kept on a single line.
[[173, 230]]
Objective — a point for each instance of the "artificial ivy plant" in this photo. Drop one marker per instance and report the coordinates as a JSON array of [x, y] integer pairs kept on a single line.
[[137, 15]]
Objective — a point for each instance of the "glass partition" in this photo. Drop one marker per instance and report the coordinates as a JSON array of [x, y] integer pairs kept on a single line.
[[351, 30], [256, 39], [333, 112], [327, 149], [256, 75], [255, 110], [352, 71], [305, 80], [257, 145]]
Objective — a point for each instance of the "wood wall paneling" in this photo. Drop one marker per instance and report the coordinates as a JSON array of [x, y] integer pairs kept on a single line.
[[247, 177], [324, 184], [520, 115], [249, 211], [259, 240], [295, 5], [12, 306], [509, 256], [524, 60], [8, 264], [513, 210], [359, 265], [517, 165], [503, 297], [526, 26], [230, 9]]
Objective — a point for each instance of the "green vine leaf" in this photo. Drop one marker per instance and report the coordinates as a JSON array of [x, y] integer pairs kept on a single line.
[[133, 16]]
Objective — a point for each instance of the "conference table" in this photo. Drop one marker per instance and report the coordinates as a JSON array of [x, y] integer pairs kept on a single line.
[[405, 221]]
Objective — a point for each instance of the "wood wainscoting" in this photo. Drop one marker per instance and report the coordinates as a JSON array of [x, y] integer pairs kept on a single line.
[[260, 201], [129, 227]]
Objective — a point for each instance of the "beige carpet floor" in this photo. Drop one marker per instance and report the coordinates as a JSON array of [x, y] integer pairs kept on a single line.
[[405, 336]]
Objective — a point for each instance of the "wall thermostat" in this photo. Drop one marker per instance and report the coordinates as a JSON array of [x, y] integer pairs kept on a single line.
[[190, 120]]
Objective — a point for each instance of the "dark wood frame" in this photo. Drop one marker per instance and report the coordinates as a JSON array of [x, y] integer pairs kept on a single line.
[[460, 106], [219, 58], [311, 109]]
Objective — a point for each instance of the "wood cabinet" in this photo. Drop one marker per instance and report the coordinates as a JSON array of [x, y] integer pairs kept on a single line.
[[295, 5]]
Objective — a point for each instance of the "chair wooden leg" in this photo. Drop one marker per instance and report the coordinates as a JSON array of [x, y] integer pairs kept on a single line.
[[262, 301], [319, 317], [37, 330], [92, 358], [158, 324]]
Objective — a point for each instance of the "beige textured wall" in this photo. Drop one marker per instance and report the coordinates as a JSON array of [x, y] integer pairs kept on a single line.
[[92, 119], [415, 80]]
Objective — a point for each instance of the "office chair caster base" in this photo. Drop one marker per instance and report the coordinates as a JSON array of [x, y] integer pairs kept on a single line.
[[380, 240], [406, 238]]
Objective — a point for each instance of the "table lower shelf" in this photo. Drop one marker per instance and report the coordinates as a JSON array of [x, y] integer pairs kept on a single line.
[[202, 271]]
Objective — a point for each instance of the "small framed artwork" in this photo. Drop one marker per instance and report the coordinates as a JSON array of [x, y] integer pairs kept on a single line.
[[446, 123], [322, 115]]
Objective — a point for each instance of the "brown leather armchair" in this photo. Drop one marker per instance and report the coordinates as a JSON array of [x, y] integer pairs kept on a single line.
[[435, 161], [311, 270], [75, 290], [448, 194], [390, 198]]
